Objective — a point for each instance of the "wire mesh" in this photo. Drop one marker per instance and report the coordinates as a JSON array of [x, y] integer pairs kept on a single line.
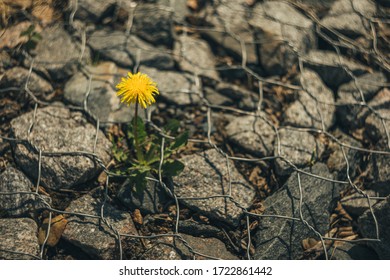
[[379, 59]]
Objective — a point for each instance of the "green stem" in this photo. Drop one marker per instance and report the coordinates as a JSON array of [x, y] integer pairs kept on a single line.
[[138, 148]]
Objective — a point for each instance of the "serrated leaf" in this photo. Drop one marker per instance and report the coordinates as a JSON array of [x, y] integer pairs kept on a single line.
[[172, 126], [172, 167], [180, 141], [139, 180]]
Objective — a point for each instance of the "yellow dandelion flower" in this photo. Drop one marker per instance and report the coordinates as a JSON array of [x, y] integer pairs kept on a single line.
[[137, 88]]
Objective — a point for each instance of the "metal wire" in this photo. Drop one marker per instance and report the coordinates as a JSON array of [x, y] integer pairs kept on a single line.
[[263, 83]]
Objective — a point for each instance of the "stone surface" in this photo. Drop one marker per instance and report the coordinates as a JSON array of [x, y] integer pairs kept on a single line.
[[279, 238], [368, 229], [211, 247], [175, 87], [126, 50], [337, 162], [154, 23], [375, 123], [58, 130], [216, 98], [314, 105], [17, 77], [57, 54], [162, 249], [102, 99], [379, 170], [195, 55], [350, 94], [282, 31], [253, 134], [299, 147], [20, 237], [92, 235], [329, 66], [356, 204], [92, 9], [350, 17], [350, 251], [229, 20], [150, 201], [20, 203], [206, 174], [245, 99]]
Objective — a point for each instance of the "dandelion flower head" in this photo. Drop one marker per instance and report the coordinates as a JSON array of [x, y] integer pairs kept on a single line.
[[137, 88]]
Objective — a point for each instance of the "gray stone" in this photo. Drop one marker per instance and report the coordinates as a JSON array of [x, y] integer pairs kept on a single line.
[[253, 134], [379, 170], [216, 98], [22, 202], [195, 55], [299, 147], [207, 174], [152, 199], [337, 162], [180, 11], [161, 249], [350, 251], [350, 95], [350, 17], [279, 238], [314, 107], [175, 87], [284, 34], [329, 66], [368, 229], [19, 239], [92, 235], [230, 26], [92, 9], [58, 130], [57, 55], [17, 77], [375, 123], [356, 204], [102, 99], [126, 50], [367, 85], [246, 99], [213, 248], [154, 23]]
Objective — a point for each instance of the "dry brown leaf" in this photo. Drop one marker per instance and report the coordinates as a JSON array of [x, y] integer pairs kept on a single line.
[[57, 227], [309, 243], [195, 5], [137, 217]]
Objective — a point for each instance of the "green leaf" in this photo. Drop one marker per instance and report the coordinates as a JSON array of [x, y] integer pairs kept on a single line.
[[139, 180], [172, 126], [28, 31], [36, 37], [152, 154], [172, 167], [180, 141]]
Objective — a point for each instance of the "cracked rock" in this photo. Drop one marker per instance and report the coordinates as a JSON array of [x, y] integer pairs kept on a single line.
[[207, 174], [58, 130], [19, 238]]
